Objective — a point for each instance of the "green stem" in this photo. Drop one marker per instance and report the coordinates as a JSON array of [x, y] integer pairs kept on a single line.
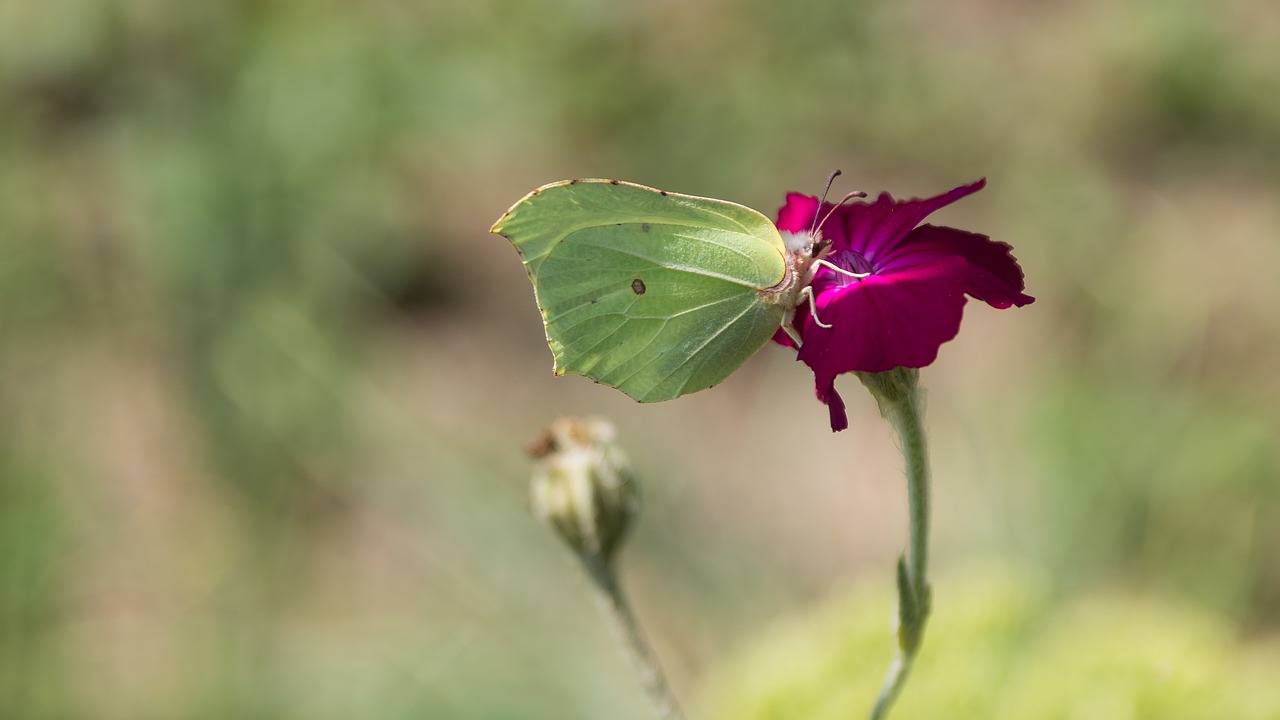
[[614, 603], [898, 394], [909, 423]]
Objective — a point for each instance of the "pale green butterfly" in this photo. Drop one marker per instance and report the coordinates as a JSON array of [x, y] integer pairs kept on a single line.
[[655, 293]]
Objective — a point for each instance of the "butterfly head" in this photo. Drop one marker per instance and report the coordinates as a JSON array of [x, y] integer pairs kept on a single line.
[[806, 250]]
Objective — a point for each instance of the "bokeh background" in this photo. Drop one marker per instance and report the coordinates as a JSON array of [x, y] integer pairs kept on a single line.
[[266, 379]]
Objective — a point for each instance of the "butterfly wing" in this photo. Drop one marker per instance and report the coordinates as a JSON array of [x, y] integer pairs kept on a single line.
[[650, 292]]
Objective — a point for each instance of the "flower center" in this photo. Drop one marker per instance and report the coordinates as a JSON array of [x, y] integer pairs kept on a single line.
[[852, 261]]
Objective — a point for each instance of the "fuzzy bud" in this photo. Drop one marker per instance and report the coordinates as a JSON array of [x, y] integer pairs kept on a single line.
[[584, 487]]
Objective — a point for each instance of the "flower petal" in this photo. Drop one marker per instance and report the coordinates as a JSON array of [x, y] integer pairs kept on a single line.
[[782, 338], [884, 321], [881, 323], [875, 229], [994, 276], [878, 324], [835, 405], [797, 214]]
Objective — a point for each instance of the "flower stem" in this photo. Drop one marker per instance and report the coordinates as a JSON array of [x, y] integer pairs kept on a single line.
[[613, 601], [898, 394]]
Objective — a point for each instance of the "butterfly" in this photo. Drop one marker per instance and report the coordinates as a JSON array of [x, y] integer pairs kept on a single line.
[[656, 293]]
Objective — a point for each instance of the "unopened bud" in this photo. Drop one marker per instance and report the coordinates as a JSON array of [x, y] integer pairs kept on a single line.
[[583, 486]]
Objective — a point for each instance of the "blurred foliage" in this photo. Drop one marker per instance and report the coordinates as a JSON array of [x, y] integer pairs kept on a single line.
[[264, 377], [997, 650]]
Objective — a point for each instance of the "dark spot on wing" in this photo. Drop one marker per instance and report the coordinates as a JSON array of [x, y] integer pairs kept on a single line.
[[637, 286], [593, 300], [663, 193], [644, 227], [613, 182], [575, 181]]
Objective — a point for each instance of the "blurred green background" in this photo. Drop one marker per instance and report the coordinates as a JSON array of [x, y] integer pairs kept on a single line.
[[265, 379]]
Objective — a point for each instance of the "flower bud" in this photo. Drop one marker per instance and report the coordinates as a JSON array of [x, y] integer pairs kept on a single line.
[[583, 486]]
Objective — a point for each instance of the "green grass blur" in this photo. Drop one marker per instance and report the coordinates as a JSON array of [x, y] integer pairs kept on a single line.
[[1000, 649], [265, 379]]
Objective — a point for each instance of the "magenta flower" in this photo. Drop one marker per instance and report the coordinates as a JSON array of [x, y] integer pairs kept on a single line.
[[909, 304]]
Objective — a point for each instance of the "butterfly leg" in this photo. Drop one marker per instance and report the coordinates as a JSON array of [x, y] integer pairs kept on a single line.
[[840, 270], [807, 292], [788, 326]]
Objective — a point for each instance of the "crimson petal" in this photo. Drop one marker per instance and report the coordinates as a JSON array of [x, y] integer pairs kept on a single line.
[[876, 228], [994, 276], [797, 214]]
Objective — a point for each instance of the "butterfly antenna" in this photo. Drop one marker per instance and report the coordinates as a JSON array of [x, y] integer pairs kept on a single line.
[[813, 231], [851, 196], [830, 179]]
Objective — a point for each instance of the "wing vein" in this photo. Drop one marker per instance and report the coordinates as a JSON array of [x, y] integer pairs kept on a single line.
[[626, 313], [661, 330], [686, 268], [694, 354]]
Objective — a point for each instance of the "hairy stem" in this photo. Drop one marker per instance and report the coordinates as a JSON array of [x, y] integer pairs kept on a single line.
[[613, 601], [898, 394]]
